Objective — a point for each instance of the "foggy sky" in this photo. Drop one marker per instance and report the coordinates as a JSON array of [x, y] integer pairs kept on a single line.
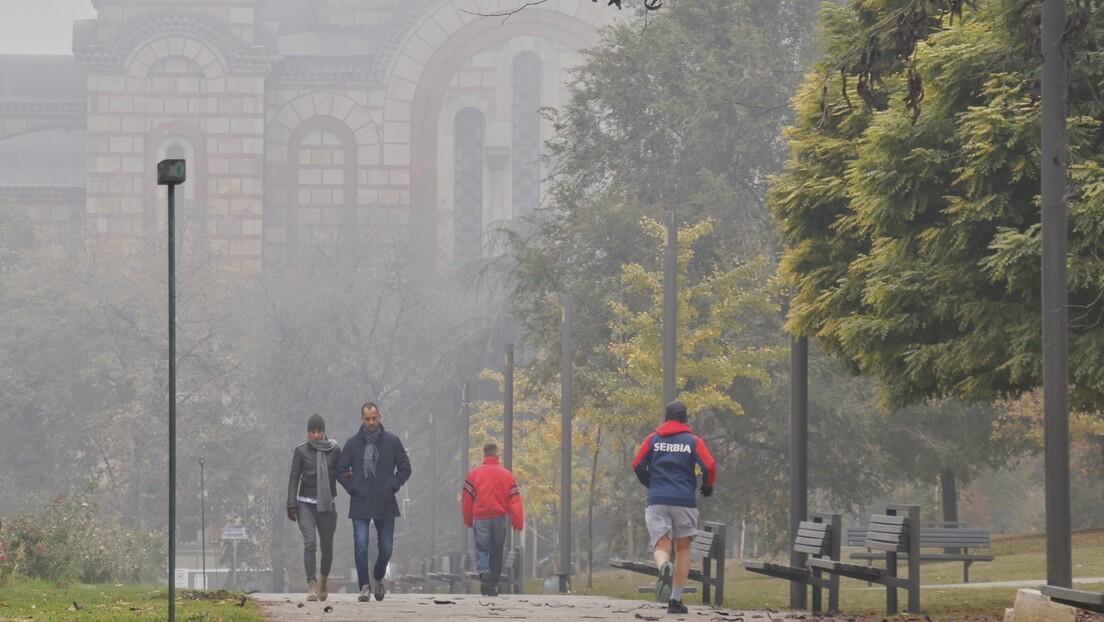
[[41, 26]]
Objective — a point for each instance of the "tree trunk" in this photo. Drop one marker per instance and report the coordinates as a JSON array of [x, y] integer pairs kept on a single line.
[[1096, 516], [590, 509], [950, 502]]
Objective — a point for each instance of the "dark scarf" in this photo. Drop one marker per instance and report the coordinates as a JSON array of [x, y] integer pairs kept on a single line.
[[371, 452], [322, 468]]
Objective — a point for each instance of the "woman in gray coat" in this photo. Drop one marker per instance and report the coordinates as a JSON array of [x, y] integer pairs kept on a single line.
[[312, 488]]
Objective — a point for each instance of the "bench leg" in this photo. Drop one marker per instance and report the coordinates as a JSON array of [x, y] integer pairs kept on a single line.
[[707, 571], [966, 571]]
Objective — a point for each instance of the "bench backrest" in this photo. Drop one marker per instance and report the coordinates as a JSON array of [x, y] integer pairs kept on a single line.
[[935, 537], [887, 533], [814, 538], [962, 538], [703, 545]]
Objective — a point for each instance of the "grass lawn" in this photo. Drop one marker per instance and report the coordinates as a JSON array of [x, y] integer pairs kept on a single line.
[[1019, 557], [34, 600]]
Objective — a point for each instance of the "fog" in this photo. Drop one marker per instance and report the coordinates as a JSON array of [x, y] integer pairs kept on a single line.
[[381, 197], [317, 268]]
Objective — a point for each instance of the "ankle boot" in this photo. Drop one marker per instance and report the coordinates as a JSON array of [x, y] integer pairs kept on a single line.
[[312, 590], [323, 588]]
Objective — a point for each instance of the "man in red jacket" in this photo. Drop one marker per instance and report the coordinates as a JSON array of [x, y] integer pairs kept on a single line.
[[490, 495]]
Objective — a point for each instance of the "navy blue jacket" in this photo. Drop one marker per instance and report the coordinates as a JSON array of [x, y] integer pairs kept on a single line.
[[666, 462], [375, 497]]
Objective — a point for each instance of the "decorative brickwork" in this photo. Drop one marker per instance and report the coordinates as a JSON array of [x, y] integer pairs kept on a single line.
[[306, 122]]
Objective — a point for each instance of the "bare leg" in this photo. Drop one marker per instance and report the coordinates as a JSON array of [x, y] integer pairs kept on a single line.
[[662, 552], [682, 560]]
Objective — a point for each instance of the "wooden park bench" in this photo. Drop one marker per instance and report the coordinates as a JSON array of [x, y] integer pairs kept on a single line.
[[954, 539], [709, 545], [512, 580], [1089, 601], [451, 572], [819, 537], [420, 580], [896, 533]]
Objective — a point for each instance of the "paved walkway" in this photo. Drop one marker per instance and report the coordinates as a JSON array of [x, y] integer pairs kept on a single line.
[[546, 608], [468, 607]]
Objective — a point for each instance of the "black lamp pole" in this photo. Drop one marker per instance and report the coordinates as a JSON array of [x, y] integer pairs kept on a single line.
[[172, 173]]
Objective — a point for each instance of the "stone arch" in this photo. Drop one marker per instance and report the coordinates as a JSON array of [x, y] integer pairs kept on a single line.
[[142, 60], [420, 102], [209, 42], [312, 118], [323, 104]]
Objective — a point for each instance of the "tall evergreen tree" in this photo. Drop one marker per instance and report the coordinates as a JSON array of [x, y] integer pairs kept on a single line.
[[913, 242]]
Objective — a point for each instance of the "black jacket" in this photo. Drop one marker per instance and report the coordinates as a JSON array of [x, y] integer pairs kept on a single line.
[[375, 497]]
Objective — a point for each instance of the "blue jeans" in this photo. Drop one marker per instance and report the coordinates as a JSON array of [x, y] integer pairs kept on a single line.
[[310, 521], [490, 541], [385, 538]]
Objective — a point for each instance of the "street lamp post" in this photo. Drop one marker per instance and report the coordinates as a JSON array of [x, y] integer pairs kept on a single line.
[[1055, 312], [566, 407], [670, 310], [171, 173], [508, 409], [465, 452], [202, 523]]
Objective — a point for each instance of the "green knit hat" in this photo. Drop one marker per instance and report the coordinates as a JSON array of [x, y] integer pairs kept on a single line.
[[316, 422]]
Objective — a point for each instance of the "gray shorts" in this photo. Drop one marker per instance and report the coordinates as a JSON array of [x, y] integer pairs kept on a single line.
[[663, 520]]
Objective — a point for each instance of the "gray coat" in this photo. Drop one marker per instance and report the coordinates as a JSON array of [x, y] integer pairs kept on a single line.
[[303, 481]]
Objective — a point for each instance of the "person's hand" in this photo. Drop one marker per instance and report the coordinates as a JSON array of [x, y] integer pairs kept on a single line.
[[293, 514], [346, 475], [707, 491]]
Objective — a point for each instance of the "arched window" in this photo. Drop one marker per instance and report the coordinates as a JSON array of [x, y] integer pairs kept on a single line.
[[468, 224], [526, 133], [321, 181]]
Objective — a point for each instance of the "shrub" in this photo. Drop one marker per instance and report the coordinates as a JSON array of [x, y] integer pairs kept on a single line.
[[67, 541]]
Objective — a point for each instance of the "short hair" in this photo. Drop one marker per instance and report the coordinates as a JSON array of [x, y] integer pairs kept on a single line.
[[369, 406], [490, 449]]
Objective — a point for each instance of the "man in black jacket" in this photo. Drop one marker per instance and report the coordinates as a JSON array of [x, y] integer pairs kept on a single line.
[[373, 467], [312, 488]]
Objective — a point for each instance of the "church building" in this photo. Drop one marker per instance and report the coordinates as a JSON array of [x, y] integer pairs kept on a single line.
[[305, 123]]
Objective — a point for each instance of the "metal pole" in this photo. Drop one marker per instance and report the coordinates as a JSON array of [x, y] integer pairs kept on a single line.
[[465, 453], [508, 427], [799, 456], [434, 486], [670, 309], [565, 447], [508, 410], [203, 523], [1055, 312], [172, 402]]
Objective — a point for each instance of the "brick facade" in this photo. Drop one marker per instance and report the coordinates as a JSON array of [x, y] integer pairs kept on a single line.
[[305, 122]]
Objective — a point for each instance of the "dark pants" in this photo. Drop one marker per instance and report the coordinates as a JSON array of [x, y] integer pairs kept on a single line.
[[490, 541], [385, 538], [324, 523]]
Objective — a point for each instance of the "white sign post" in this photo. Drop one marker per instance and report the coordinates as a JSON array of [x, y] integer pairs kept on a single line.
[[180, 578]]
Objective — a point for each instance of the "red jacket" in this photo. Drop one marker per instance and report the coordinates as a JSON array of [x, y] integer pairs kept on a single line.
[[490, 491]]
